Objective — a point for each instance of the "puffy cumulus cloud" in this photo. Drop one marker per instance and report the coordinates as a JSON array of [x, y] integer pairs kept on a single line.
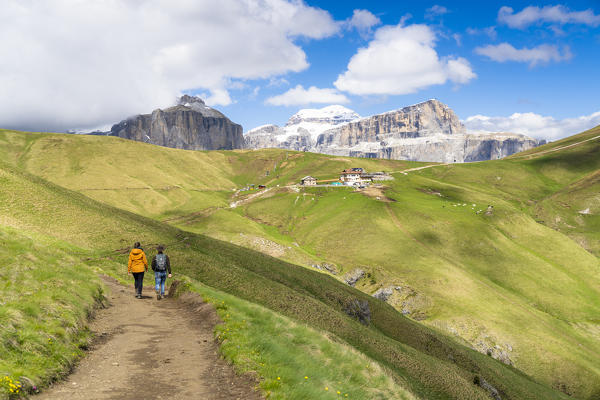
[[435, 10], [459, 70], [541, 54], [362, 20], [534, 125], [558, 14], [75, 64], [400, 60], [301, 96]]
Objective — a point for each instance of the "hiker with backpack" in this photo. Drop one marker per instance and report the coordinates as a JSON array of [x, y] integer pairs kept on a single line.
[[161, 265], [137, 265]]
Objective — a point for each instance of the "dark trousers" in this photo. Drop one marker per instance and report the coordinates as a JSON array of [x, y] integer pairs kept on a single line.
[[139, 281]]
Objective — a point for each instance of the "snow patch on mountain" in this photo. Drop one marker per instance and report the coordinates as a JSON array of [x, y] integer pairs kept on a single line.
[[306, 124]]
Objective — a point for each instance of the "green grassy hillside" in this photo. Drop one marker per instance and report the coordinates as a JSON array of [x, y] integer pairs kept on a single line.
[[46, 295], [423, 361], [574, 209], [508, 283]]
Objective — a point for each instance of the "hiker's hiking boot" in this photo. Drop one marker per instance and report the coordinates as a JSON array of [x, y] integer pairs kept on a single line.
[[138, 296]]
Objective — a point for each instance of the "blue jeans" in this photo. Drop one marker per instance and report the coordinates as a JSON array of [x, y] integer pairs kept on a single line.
[[160, 277]]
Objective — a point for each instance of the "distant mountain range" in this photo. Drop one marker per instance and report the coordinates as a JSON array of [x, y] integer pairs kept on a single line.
[[428, 131]]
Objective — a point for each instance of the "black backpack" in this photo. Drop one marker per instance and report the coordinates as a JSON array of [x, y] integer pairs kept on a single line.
[[161, 262]]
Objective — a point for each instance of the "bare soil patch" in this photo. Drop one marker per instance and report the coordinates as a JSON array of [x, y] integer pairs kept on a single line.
[[377, 192]]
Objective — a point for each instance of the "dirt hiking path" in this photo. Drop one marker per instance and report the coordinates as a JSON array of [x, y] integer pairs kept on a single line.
[[150, 349]]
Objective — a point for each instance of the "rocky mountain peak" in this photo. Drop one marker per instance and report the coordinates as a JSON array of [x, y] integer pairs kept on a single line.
[[196, 104], [190, 124], [187, 100]]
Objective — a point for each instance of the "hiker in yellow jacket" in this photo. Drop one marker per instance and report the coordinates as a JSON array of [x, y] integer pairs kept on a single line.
[[137, 265]]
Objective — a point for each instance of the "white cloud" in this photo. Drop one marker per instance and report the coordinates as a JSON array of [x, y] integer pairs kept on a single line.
[[558, 14], [363, 20], [75, 64], [435, 10], [457, 38], [534, 125], [277, 81], [401, 60], [301, 96], [490, 31], [541, 54], [459, 70]]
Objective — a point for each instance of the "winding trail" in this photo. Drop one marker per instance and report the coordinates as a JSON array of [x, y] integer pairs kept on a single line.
[[149, 349], [419, 168]]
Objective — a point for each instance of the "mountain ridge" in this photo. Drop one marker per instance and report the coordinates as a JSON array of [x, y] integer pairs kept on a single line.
[[388, 135]]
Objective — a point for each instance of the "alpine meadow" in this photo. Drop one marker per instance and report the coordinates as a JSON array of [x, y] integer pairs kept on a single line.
[[493, 266]]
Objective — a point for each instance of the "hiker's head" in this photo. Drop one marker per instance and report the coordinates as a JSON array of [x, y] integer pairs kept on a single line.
[[137, 245], [160, 248]]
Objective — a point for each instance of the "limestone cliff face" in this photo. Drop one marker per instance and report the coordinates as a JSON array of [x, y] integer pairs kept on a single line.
[[263, 137], [458, 148], [431, 118], [428, 131], [273, 136], [189, 125]]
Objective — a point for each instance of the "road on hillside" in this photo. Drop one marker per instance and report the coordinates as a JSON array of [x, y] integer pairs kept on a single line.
[[149, 349]]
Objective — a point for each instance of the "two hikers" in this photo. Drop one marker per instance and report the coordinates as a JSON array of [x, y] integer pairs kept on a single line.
[[138, 264], [160, 265]]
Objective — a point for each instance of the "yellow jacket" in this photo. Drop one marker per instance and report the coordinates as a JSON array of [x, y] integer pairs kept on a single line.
[[137, 261]]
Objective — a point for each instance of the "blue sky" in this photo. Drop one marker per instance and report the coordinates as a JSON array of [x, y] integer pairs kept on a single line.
[[565, 88], [513, 66]]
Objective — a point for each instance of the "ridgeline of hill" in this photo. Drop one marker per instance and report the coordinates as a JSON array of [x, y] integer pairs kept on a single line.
[[519, 281]]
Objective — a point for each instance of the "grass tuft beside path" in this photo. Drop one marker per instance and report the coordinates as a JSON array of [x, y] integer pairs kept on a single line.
[[46, 297]]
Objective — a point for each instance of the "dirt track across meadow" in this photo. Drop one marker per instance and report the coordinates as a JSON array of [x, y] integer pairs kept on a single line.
[[150, 349]]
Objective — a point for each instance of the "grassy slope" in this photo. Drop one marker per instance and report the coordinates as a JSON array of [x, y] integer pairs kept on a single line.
[[48, 291], [428, 364], [173, 185], [578, 168], [459, 270], [158, 181], [500, 281], [46, 294]]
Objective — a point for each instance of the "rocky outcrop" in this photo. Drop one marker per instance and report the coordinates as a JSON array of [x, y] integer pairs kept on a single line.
[[190, 125], [358, 309], [354, 276], [492, 391], [384, 294], [326, 267], [428, 131]]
